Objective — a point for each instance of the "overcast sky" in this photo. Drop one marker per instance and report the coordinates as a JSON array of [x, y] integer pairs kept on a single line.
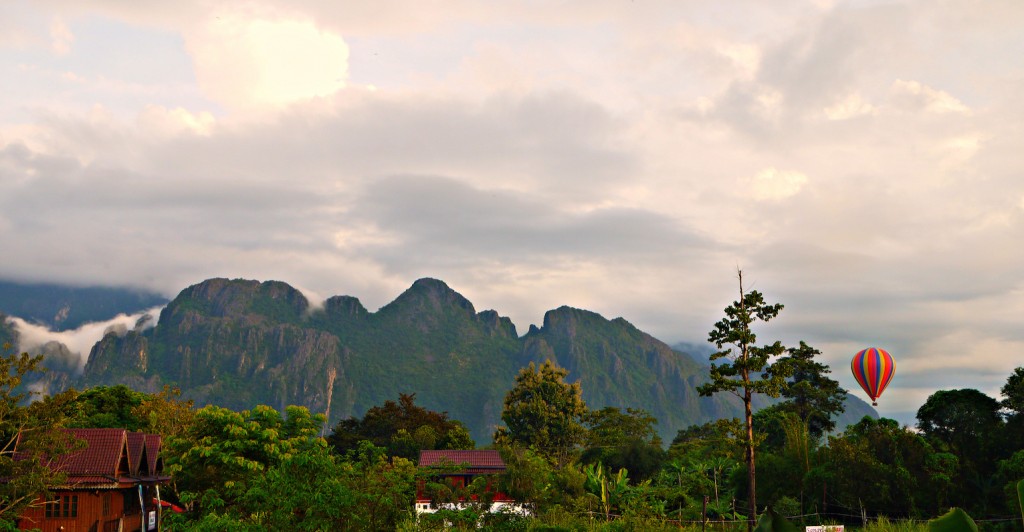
[[862, 162]]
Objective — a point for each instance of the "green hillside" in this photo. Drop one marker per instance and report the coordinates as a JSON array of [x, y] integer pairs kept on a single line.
[[238, 343]]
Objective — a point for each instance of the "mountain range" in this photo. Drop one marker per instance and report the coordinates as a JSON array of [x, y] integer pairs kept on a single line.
[[238, 343], [61, 307]]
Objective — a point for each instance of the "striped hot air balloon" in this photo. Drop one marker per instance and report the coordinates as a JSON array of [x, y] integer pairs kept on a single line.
[[873, 368]]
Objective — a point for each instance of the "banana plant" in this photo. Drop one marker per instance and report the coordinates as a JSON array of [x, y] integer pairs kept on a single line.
[[956, 520], [610, 489], [1020, 497]]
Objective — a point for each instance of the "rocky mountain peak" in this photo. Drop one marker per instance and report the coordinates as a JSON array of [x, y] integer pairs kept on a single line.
[[346, 306], [220, 297], [430, 296], [565, 320]]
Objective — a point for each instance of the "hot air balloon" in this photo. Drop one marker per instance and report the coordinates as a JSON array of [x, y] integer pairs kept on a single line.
[[873, 368]]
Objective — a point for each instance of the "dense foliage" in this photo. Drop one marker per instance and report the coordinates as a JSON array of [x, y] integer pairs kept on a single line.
[[32, 431], [544, 412], [402, 429], [240, 343], [745, 368], [262, 469], [571, 466]]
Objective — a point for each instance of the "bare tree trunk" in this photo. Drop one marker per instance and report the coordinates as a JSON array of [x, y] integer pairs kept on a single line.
[[752, 506], [748, 410]]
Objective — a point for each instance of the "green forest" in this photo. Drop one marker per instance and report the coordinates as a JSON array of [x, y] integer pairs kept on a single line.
[[574, 467]]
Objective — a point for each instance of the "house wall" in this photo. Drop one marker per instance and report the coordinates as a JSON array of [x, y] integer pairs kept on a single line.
[[500, 502], [497, 506], [94, 515]]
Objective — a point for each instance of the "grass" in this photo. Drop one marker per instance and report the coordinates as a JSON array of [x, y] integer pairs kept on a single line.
[[885, 525], [572, 523]]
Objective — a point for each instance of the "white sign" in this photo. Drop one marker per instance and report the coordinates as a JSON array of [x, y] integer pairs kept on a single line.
[[152, 521], [824, 528]]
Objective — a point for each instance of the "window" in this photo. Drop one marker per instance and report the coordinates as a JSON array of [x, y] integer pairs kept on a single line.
[[53, 506], [58, 506]]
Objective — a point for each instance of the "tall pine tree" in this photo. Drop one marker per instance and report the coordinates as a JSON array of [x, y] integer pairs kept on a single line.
[[811, 394], [745, 369]]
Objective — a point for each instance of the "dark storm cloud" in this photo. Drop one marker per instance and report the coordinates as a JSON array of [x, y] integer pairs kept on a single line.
[[444, 220], [558, 142], [289, 184]]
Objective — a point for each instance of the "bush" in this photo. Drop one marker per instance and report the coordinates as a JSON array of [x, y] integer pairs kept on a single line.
[[788, 507]]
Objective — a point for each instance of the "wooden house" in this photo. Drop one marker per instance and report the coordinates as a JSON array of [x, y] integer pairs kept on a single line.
[[112, 486], [459, 469]]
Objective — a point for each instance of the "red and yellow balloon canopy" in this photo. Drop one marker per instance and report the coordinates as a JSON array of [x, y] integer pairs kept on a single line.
[[873, 368]]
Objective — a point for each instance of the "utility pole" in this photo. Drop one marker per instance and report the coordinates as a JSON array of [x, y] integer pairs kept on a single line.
[[704, 515]]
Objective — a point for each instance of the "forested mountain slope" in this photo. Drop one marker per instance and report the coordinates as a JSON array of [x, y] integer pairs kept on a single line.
[[238, 343]]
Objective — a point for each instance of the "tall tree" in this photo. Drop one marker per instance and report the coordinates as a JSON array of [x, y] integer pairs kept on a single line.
[[966, 420], [223, 451], [887, 469], [1013, 391], [1013, 403], [544, 412], [967, 423], [403, 428], [102, 407], [623, 441], [744, 360], [30, 438], [811, 394]]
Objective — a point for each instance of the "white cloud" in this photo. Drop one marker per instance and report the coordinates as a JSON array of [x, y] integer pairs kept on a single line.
[[32, 337], [772, 184], [242, 60], [957, 151], [851, 106], [60, 37], [166, 122], [316, 301], [746, 57], [769, 103], [363, 235], [918, 95]]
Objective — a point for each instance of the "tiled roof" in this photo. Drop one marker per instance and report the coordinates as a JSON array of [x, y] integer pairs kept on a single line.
[[111, 453], [136, 444], [110, 458], [153, 442], [93, 480], [477, 460], [104, 451]]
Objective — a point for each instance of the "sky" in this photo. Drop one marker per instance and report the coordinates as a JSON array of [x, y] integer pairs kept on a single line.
[[859, 161]]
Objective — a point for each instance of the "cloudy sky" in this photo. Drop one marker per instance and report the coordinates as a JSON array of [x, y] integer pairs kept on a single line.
[[860, 161]]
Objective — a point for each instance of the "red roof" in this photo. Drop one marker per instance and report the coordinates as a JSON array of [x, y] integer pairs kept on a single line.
[[94, 479], [109, 459], [136, 446], [106, 454], [153, 442], [476, 461]]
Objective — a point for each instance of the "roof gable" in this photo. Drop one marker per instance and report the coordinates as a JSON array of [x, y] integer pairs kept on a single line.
[[475, 460], [136, 453], [156, 464], [106, 453]]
